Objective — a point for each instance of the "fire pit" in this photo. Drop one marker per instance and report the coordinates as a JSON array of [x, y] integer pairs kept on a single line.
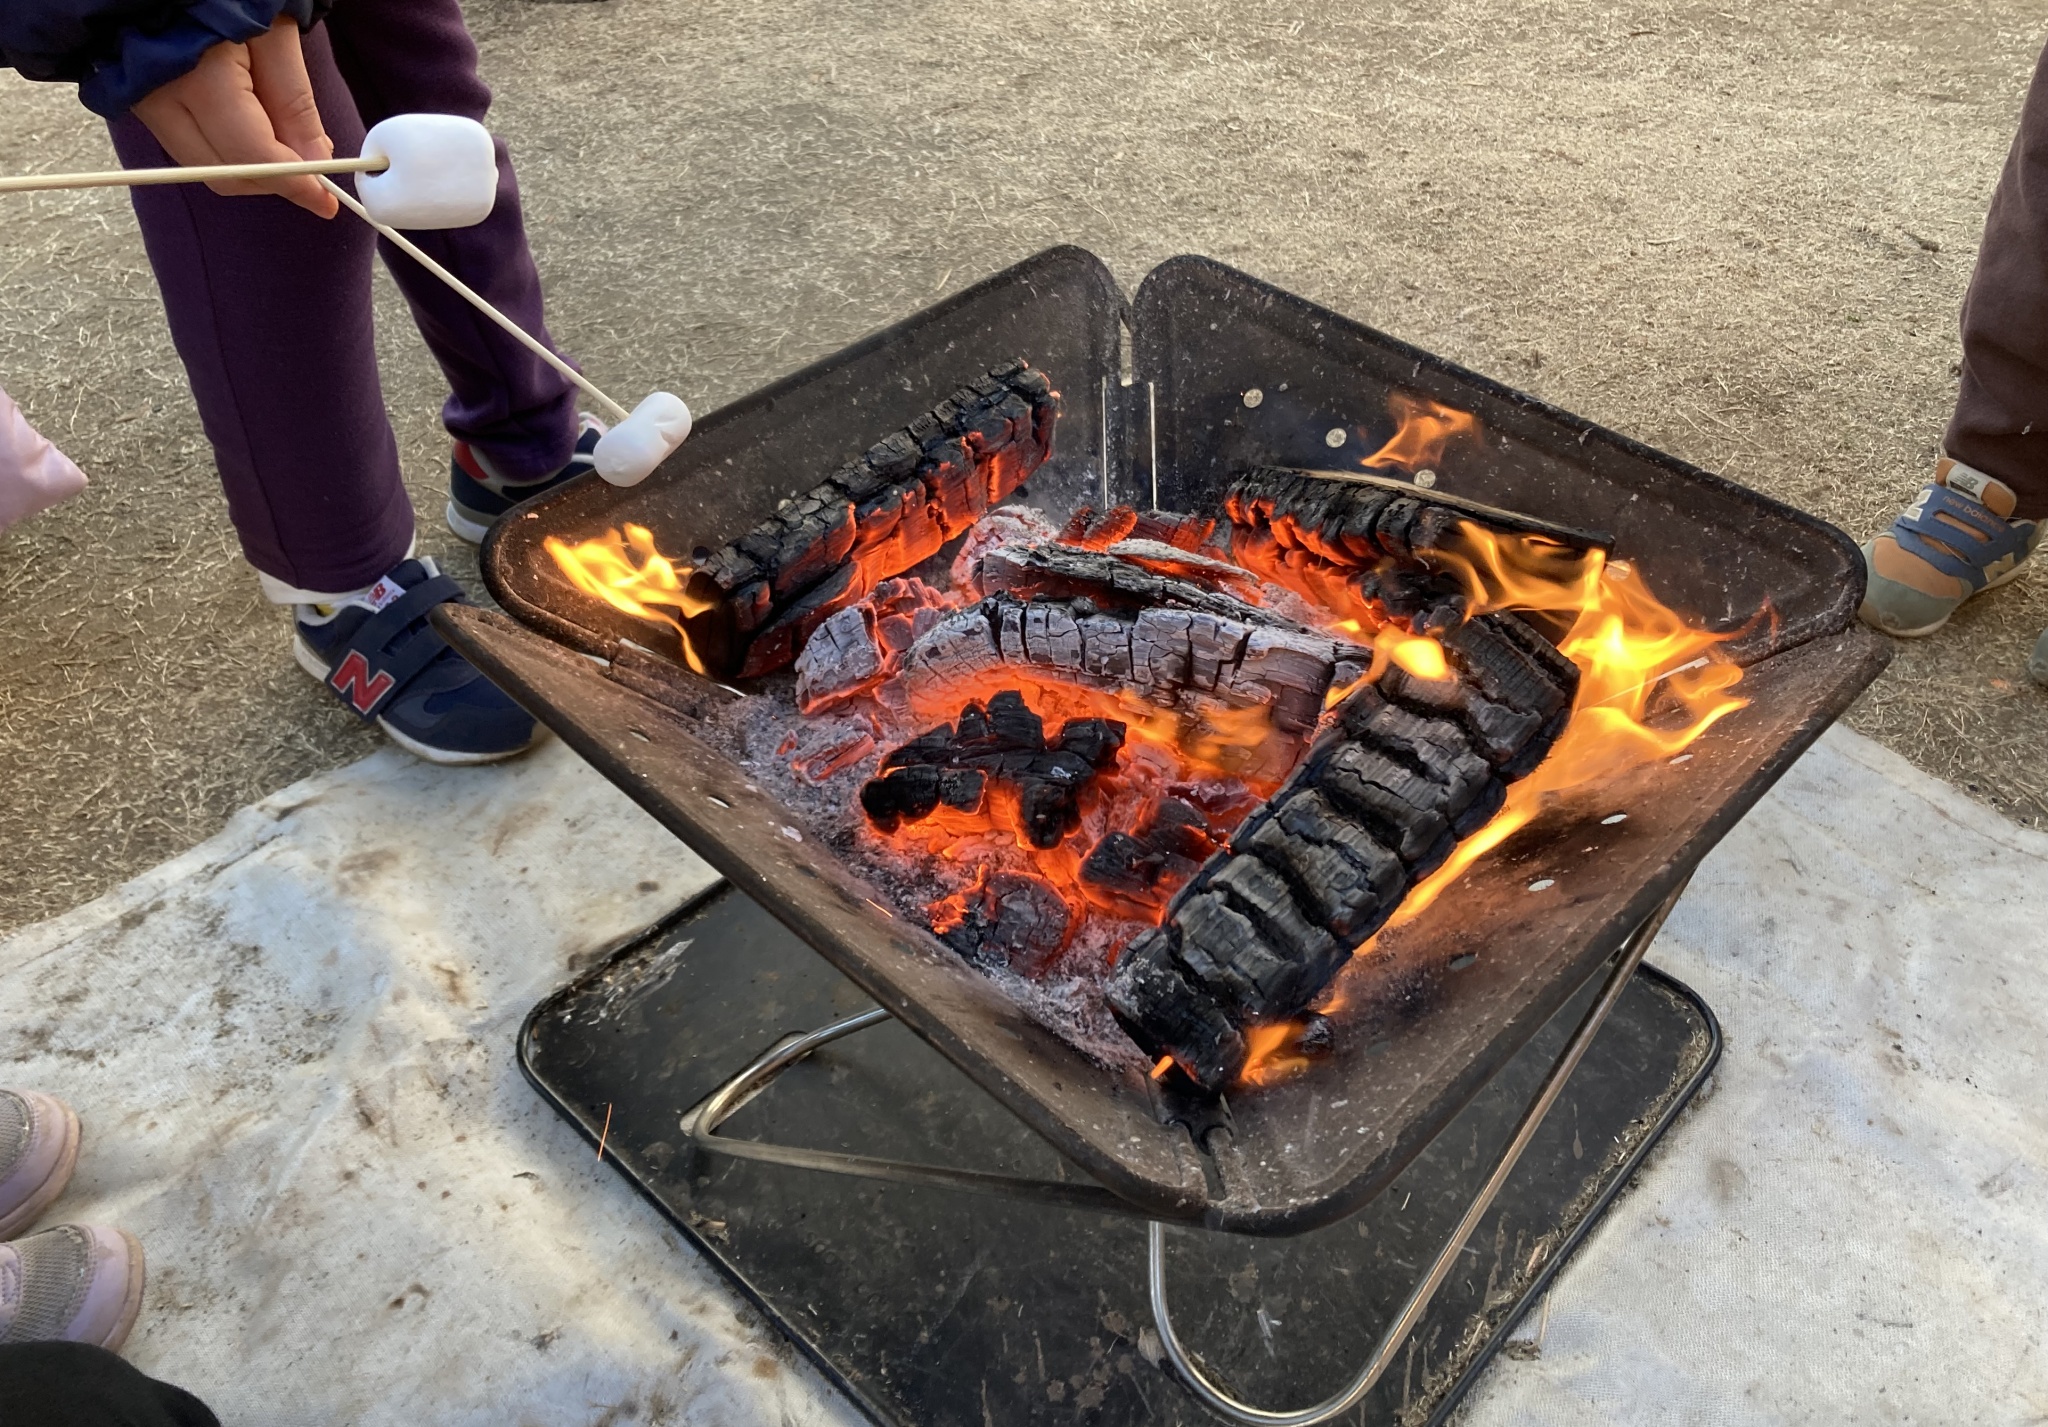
[[1234, 389], [1226, 734]]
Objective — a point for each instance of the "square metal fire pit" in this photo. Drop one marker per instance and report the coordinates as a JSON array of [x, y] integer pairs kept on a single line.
[[1224, 373]]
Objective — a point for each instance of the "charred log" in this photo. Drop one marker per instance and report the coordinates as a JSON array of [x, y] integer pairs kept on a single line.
[[1005, 743], [1336, 537], [875, 517], [1361, 520], [1171, 655], [1388, 789]]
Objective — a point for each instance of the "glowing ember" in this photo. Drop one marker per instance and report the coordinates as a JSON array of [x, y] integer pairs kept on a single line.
[[1193, 767]]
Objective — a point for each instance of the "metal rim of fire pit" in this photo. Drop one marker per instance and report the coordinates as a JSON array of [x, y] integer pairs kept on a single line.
[[1202, 337]]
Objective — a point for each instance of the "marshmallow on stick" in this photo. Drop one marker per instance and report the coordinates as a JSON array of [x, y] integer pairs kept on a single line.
[[433, 171], [628, 453], [419, 171]]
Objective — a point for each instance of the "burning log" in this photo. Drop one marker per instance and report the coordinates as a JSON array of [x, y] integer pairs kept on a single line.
[[1416, 556], [1186, 660], [861, 644], [1360, 520], [1386, 792], [765, 593], [1101, 621], [1003, 743]]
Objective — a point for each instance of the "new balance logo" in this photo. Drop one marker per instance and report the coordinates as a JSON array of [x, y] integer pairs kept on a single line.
[[353, 682]]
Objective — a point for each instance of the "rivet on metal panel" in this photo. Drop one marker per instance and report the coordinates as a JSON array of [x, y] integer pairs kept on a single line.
[[1335, 437], [1253, 397]]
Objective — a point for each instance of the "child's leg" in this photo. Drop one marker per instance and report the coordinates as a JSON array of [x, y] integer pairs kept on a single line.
[[270, 309], [2001, 420], [400, 56]]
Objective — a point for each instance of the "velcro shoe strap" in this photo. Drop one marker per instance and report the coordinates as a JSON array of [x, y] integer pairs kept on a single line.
[[1979, 538], [369, 674]]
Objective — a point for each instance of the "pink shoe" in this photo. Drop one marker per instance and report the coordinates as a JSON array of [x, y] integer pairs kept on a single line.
[[38, 1151], [73, 1284]]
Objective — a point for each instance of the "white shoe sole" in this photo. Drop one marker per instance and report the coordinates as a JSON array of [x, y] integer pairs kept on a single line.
[[53, 1188], [309, 659], [464, 527]]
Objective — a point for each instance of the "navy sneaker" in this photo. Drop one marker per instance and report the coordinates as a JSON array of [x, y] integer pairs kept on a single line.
[[379, 655], [477, 495]]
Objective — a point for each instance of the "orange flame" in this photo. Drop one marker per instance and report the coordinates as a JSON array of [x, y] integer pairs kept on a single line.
[[1631, 649], [1423, 429], [1650, 684], [1272, 1053], [625, 571]]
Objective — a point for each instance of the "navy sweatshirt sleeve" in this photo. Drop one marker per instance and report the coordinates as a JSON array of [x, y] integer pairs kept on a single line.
[[116, 51]]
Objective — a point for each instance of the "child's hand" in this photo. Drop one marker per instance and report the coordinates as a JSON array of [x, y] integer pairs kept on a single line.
[[247, 103]]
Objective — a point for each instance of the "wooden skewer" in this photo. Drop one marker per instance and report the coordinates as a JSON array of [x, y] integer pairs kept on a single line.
[[208, 173], [476, 300]]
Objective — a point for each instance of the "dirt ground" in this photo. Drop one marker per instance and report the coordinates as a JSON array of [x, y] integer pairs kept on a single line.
[[1738, 231]]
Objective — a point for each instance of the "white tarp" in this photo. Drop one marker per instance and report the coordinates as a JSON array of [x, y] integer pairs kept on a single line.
[[293, 1049]]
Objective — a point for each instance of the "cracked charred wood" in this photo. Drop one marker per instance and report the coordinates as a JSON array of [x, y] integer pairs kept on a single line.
[[1110, 582], [1337, 538], [1172, 656], [1018, 922], [1003, 742], [873, 518], [1360, 520], [1512, 694], [1389, 787]]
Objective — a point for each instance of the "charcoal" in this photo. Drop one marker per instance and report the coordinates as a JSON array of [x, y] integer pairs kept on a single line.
[[1345, 879], [1140, 870], [1150, 994], [1223, 951], [1026, 923], [878, 516], [1065, 572], [1003, 741]]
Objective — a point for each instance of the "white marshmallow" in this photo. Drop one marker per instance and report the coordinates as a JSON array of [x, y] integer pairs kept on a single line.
[[443, 172], [628, 453]]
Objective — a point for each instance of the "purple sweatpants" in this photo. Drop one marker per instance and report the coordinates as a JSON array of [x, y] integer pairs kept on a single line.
[[270, 310]]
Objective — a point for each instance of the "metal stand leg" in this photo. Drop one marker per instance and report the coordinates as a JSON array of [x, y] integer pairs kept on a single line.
[[701, 1124], [1418, 1302]]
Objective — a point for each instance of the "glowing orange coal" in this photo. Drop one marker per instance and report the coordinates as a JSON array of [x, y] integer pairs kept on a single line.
[[622, 568], [1423, 430], [1160, 759]]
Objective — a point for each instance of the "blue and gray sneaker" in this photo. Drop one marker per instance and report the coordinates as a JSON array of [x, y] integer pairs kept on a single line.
[[378, 654], [478, 495]]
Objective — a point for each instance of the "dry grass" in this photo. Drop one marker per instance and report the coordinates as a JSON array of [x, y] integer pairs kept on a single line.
[[1737, 231]]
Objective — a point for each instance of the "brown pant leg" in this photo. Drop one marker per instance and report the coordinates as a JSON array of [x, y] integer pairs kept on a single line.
[[2001, 420]]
